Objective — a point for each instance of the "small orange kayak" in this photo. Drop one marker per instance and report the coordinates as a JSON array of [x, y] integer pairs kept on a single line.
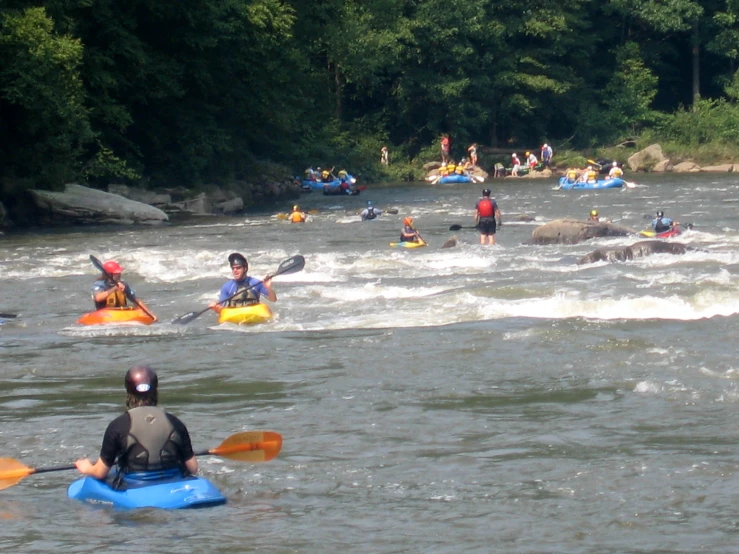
[[116, 315], [246, 315]]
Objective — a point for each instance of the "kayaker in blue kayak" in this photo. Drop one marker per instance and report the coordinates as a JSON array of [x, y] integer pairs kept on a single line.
[[145, 438], [252, 287]]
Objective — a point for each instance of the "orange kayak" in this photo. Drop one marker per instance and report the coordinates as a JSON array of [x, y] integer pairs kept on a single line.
[[246, 315], [116, 315]]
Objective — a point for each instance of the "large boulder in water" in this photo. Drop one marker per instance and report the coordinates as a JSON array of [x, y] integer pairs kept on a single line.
[[636, 250], [78, 204], [573, 231]]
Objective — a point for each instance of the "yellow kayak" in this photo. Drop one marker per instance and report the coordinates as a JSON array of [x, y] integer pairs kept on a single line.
[[405, 244], [246, 315], [116, 315]]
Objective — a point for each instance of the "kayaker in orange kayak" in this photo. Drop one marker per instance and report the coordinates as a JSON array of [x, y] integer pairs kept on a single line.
[[110, 292]]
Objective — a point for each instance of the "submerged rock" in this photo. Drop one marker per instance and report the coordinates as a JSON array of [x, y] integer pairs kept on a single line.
[[574, 231], [636, 250]]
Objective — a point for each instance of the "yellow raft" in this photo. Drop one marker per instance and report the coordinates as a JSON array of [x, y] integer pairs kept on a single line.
[[246, 315], [116, 315]]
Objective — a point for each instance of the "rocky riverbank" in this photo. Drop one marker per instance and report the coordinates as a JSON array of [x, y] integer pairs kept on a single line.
[[125, 205]]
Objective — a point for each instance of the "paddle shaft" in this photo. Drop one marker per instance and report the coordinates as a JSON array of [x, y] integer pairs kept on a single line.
[[109, 277]]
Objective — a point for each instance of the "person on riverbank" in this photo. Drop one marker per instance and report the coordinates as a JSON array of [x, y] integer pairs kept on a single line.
[[615, 172], [487, 217], [111, 292], [409, 233], [546, 155], [531, 160], [384, 155], [515, 164], [297, 216], [472, 150], [244, 290], [660, 224], [445, 148], [145, 438], [370, 212]]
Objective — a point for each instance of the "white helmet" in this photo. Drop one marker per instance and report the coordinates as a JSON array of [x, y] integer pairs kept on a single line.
[[615, 164], [545, 145]]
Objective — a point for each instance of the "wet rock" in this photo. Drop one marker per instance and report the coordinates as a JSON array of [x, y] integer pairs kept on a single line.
[[573, 231], [636, 250]]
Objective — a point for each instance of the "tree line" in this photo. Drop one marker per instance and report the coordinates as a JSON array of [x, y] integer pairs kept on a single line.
[[194, 91]]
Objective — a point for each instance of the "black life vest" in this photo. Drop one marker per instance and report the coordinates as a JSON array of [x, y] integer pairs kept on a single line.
[[152, 443]]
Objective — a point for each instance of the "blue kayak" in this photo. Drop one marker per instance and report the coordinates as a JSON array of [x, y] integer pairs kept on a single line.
[[614, 183], [168, 493]]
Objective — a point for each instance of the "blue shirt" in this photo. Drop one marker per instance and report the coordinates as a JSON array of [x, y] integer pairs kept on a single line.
[[666, 222], [230, 288]]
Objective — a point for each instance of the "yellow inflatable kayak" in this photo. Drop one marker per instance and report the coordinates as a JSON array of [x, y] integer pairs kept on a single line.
[[116, 315], [405, 244], [246, 315]]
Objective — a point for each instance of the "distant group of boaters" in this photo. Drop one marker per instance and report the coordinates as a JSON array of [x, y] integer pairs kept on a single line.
[[590, 175], [531, 160]]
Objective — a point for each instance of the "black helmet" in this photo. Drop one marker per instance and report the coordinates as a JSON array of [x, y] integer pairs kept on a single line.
[[486, 192], [660, 214], [141, 380], [237, 259]]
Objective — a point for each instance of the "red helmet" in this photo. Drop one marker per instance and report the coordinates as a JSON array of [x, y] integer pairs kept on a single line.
[[112, 267], [141, 380]]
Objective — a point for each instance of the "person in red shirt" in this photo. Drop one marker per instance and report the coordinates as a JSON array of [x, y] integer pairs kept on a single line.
[[487, 217], [445, 145]]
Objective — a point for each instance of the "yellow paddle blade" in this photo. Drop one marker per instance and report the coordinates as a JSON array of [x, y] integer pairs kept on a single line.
[[12, 471], [281, 216], [250, 446]]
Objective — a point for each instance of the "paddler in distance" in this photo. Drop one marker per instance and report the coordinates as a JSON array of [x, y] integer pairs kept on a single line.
[[297, 216], [252, 288]]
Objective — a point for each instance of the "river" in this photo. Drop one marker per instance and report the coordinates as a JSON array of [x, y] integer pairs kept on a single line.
[[466, 399]]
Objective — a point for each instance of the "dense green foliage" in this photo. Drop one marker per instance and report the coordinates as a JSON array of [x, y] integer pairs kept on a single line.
[[189, 91]]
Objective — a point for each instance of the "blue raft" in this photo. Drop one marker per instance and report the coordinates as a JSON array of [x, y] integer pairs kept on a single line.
[[448, 179], [168, 493], [600, 184], [308, 185]]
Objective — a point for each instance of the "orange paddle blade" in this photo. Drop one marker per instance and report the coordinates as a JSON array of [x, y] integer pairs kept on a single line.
[[12, 471], [250, 446]]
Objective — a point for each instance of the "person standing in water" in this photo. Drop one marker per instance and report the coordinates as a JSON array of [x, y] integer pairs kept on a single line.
[[487, 217]]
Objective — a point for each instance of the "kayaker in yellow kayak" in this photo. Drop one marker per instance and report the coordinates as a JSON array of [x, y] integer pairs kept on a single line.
[[110, 292], [409, 233], [252, 288], [145, 438]]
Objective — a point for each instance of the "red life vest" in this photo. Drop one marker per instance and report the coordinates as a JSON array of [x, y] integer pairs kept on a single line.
[[485, 208]]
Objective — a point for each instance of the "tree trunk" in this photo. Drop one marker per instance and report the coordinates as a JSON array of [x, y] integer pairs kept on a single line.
[[696, 64]]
